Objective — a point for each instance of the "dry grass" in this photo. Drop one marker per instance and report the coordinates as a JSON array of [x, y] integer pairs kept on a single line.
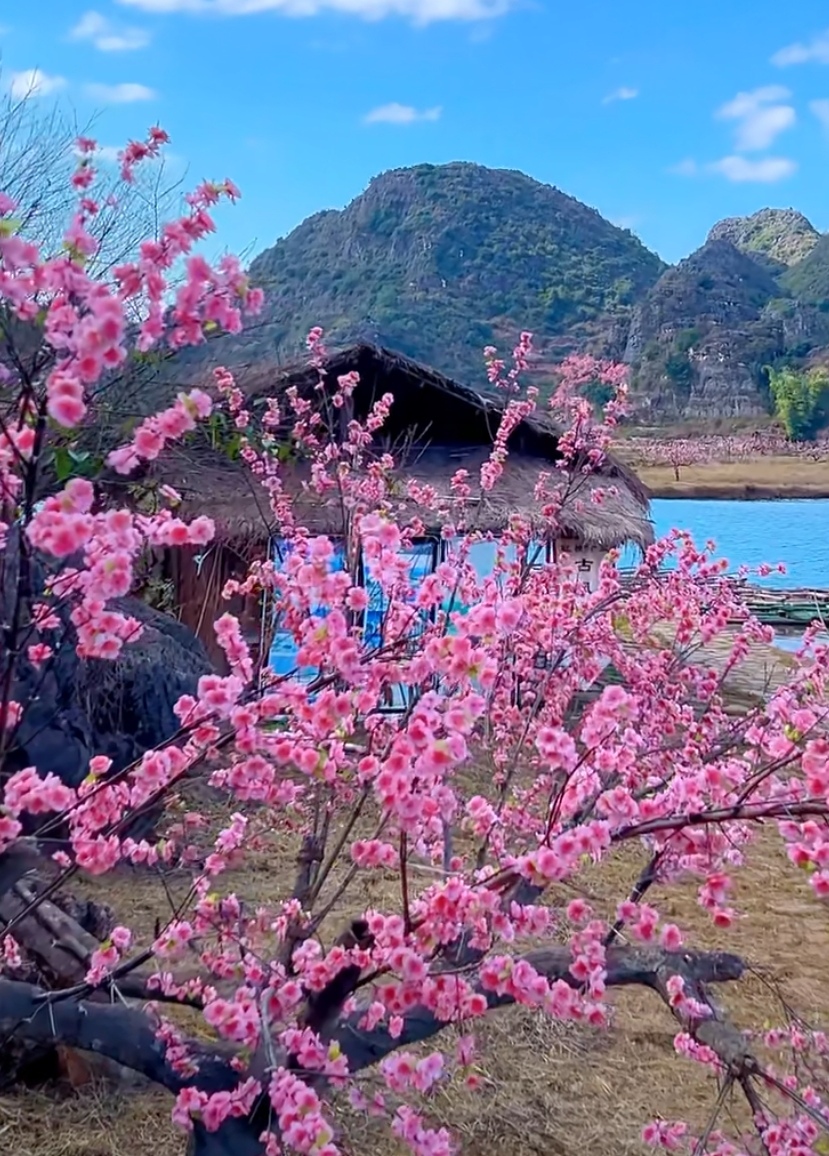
[[92, 1123], [750, 683], [767, 476], [547, 1088]]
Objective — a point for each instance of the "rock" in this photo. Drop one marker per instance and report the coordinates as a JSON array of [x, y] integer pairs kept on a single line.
[[131, 701], [78, 708], [55, 734], [722, 384]]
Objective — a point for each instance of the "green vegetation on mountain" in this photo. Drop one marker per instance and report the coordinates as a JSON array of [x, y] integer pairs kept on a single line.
[[809, 279], [440, 260], [782, 236], [700, 337]]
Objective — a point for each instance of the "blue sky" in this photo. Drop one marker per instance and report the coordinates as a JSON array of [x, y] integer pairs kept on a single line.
[[665, 117]]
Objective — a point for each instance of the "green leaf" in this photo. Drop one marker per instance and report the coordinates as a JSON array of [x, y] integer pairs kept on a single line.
[[63, 463], [148, 356], [233, 447]]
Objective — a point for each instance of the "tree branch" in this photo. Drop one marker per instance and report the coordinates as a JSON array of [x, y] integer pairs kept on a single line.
[[626, 967], [126, 1035], [123, 1034]]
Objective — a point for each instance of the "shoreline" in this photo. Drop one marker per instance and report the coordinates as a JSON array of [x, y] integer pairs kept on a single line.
[[741, 493], [772, 477]]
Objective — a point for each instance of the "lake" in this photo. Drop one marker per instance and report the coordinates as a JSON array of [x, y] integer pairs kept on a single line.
[[794, 531]]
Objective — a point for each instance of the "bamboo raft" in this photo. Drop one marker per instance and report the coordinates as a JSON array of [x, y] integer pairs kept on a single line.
[[792, 608]]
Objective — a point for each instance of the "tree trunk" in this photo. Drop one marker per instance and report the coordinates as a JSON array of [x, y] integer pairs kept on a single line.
[[234, 1138]]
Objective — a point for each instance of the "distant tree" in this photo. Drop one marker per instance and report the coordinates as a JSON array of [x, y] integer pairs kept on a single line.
[[42, 172], [598, 393], [37, 160], [686, 339], [801, 400], [681, 452], [678, 368]]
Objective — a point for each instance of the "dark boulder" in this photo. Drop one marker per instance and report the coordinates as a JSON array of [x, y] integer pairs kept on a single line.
[[75, 708], [131, 700]]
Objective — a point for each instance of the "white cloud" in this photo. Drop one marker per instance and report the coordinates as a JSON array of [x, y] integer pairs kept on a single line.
[[418, 11], [746, 102], [120, 93], [686, 168], [627, 221], [761, 129], [815, 51], [395, 113], [104, 154], [820, 108], [110, 155], [760, 117], [622, 93], [108, 37], [764, 171], [33, 82]]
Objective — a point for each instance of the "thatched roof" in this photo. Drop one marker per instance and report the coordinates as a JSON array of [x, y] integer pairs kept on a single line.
[[443, 425]]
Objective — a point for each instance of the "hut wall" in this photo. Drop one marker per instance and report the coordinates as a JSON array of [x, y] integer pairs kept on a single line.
[[198, 580], [587, 559]]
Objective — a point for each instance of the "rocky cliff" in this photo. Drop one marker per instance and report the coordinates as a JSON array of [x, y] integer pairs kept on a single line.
[[700, 337], [703, 336]]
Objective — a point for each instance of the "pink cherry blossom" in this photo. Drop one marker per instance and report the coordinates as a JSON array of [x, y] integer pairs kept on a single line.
[[447, 743]]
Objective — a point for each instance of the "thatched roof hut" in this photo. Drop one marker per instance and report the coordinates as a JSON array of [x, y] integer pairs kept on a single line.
[[442, 426]]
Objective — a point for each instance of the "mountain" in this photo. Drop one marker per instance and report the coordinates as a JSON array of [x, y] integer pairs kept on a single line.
[[699, 339], [438, 261], [756, 294], [809, 279], [783, 237]]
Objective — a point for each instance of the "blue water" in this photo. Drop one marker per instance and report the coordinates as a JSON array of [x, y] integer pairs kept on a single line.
[[794, 531]]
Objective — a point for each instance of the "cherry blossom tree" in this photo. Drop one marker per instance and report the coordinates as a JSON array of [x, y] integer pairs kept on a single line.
[[514, 760], [680, 453]]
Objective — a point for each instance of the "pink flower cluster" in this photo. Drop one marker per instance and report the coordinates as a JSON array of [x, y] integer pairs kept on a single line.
[[153, 434]]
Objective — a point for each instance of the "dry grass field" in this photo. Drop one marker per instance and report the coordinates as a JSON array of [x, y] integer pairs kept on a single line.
[[759, 477], [547, 1089]]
